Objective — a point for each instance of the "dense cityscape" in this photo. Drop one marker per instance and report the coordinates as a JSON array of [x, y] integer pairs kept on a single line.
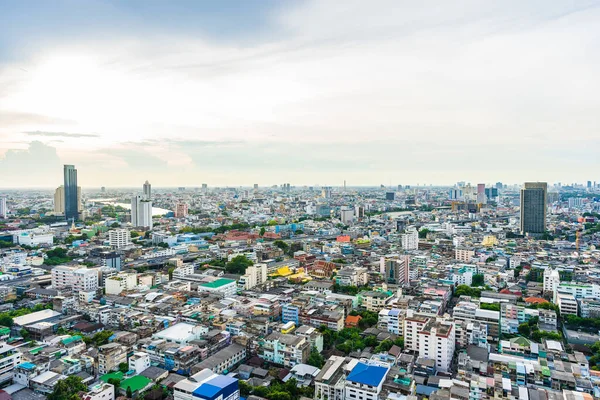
[[475, 291]]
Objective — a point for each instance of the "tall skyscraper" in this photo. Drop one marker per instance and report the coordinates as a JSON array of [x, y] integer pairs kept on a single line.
[[3, 208], [141, 211], [59, 200], [148, 190], [533, 208], [70, 186]]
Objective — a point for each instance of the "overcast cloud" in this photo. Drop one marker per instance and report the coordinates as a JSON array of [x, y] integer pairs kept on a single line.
[[306, 92]]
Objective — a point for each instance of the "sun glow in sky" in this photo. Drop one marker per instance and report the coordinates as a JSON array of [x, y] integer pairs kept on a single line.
[[306, 92]]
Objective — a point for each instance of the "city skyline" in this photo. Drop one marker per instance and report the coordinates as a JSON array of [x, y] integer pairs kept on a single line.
[[298, 91]]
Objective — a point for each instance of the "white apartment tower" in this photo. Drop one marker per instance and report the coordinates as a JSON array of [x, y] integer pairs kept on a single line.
[[255, 275], [148, 190], [118, 238], [436, 342], [80, 279], [410, 239], [551, 280], [3, 208], [141, 212]]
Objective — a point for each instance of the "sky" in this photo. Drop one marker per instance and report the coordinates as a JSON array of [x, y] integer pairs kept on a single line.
[[307, 92]]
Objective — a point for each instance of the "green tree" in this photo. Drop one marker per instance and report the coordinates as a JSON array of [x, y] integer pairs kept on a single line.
[[129, 393], [123, 367], [371, 341], [524, 329], [464, 290], [423, 233], [67, 389], [116, 383], [261, 391], [262, 231], [171, 270], [384, 346], [238, 265], [490, 306], [315, 359], [399, 342], [6, 320], [245, 388], [282, 245], [477, 280], [279, 396]]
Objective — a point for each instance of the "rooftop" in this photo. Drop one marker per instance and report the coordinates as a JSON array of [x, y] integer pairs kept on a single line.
[[179, 332], [35, 317], [218, 283], [136, 383], [367, 374]]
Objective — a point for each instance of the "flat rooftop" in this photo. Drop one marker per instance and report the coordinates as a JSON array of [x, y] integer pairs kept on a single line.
[[178, 332], [218, 283], [35, 317]]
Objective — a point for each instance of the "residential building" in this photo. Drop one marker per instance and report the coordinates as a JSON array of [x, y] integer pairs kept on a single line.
[[71, 193], [464, 255], [255, 275], [352, 276], [330, 382], [391, 320], [588, 308], [207, 385], [120, 282], [181, 210], [141, 212], [139, 361], [410, 239], [290, 313], [10, 358], [226, 287], [183, 271], [567, 303], [286, 350], [365, 381], [101, 391], [395, 269], [3, 207], [375, 301], [78, 278], [147, 190], [413, 324], [311, 334], [110, 356], [551, 280], [436, 342], [533, 208], [224, 360], [118, 238]]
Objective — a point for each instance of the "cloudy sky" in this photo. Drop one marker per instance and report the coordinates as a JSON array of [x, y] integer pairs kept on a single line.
[[306, 92]]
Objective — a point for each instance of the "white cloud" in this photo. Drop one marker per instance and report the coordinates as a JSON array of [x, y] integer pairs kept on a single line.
[[411, 75]]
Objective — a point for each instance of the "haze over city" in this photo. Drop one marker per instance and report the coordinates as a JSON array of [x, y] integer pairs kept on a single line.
[[243, 92]]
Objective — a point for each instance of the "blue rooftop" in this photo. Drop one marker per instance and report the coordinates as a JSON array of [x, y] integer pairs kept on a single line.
[[367, 374], [27, 365], [212, 388]]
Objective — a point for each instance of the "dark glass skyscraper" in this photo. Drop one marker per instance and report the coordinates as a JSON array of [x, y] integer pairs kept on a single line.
[[71, 203], [533, 208]]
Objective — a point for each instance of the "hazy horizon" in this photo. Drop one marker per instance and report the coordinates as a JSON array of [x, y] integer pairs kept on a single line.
[[384, 92]]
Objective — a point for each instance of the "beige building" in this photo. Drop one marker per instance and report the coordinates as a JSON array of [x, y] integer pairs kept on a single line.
[[59, 200], [110, 356]]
